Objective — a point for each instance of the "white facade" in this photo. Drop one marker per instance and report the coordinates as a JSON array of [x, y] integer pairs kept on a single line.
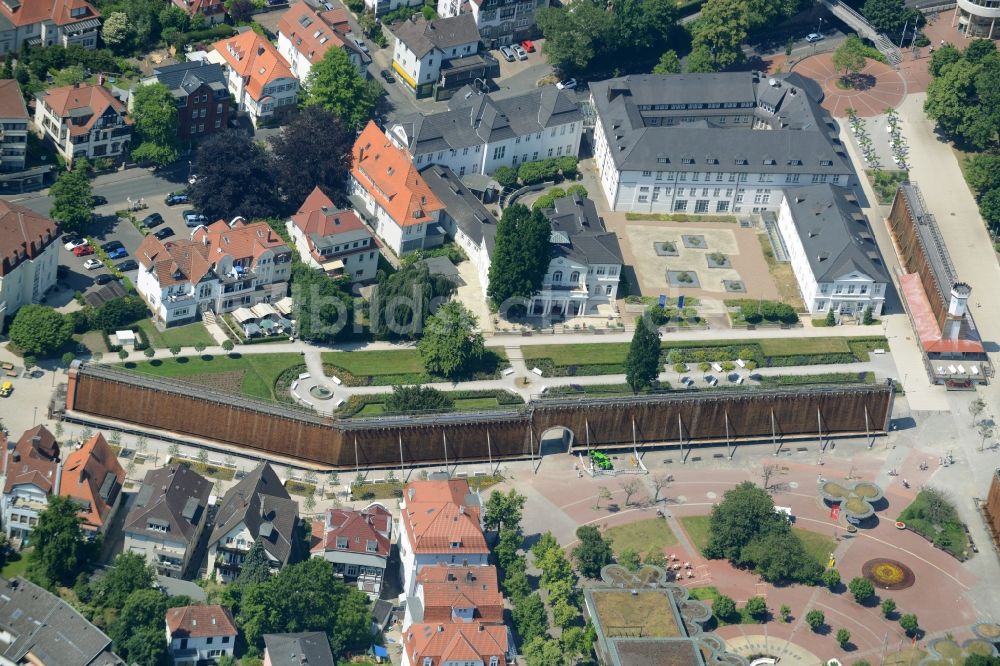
[[571, 288], [227, 555], [83, 31], [356, 250], [108, 136], [556, 141], [848, 293], [426, 70], [14, 136], [410, 563], [277, 94], [21, 507], [190, 651], [695, 191], [169, 558], [176, 303], [300, 64], [380, 7], [29, 281], [401, 239], [499, 21]]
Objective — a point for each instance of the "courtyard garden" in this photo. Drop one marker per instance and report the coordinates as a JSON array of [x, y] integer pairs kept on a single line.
[[180, 336], [251, 375], [461, 401], [933, 516], [651, 535], [397, 366]]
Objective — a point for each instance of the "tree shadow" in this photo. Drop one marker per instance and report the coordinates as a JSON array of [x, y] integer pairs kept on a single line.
[[207, 357], [155, 362], [182, 359]]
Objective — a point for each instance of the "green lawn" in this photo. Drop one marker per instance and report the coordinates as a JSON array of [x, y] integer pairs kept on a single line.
[[580, 354], [16, 567], [819, 546], [461, 405], [260, 370], [643, 536], [796, 346], [394, 362], [206, 469], [697, 530], [182, 336]]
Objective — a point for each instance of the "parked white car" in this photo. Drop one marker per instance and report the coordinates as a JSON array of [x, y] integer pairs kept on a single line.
[[75, 243], [91, 264], [568, 84], [520, 52]]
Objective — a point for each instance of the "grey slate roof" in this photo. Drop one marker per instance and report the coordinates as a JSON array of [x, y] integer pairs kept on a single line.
[[798, 135], [46, 626], [174, 496], [311, 648], [578, 232], [461, 205], [264, 506], [834, 233], [184, 78], [421, 36], [474, 119]]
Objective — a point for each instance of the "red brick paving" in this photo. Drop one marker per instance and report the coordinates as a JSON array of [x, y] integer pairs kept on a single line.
[[888, 90]]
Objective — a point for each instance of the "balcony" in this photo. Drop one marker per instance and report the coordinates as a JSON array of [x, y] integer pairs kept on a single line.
[[563, 287]]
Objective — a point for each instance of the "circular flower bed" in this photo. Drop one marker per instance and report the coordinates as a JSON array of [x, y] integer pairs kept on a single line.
[[888, 574]]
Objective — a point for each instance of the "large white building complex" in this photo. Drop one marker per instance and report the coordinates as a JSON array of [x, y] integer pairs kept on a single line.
[[479, 133], [712, 143], [832, 251], [499, 21], [976, 18], [29, 256]]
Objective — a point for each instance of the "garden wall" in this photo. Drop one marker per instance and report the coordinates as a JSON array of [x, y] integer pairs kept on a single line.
[[290, 432]]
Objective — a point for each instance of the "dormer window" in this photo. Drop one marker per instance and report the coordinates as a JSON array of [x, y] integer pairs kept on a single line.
[[456, 544], [341, 542], [494, 661]]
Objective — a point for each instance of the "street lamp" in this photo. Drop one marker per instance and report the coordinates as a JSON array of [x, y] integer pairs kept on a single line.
[[819, 30]]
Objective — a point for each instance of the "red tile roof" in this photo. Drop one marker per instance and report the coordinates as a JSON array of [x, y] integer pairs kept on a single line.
[[255, 59], [24, 234], [32, 462], [200, 622], [437, 518], [317, 215], [93, 476], [175, 262], [88, 102], [387, 173], [238, 240], [925, 322], [58, 11], [448, 587], [11, 100], [206, 7], [373, 523], [311, 33], [456, 642]]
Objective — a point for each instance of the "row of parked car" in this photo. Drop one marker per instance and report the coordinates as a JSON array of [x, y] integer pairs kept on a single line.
[[517, 51], [114, 249]]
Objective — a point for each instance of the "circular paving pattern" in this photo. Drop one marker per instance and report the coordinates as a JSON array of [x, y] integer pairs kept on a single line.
[[888, 574], [880, 86]]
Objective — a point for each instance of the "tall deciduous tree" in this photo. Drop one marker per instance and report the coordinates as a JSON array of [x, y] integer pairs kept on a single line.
[[521, 256], [721, 31], [155, 113], [886, 15], [234, 178], [669, 63], [593, 552], [402, 301], [530, 618], [313, 150], [745, 512], [405, 399], [642, 363], [117, 32], [61, 551], [504, 510], [138, 622], [72, 199], [128, 573], [575, 35], [451, 346], [849, 57], [335, 85], [40, 329]]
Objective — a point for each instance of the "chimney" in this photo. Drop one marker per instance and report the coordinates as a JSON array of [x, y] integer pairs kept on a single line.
[[410, 493], [440, 628], [481, 627]]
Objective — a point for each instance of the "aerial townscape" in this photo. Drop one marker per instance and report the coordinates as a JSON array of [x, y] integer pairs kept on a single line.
[[499, 333]]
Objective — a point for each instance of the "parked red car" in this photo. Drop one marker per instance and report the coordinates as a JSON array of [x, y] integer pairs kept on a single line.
[[83, 250], [528, 46]]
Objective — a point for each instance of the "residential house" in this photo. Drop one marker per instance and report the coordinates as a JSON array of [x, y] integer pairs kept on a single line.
[[200, 634], [712, 143], [357, 543], [382, 7], [444, 644], [83, 120], [306, 33], [586, 264], [424, 48], [333, 240], [29, 257], [38, 628], [167, 518], [13, 127], [93, 477], [447, 593], [256, 508], [310, 648], [387, 188], [439, 523], [222, 268], [214, 11], [31, 472], [464, 218], [202, 96], [479, 134], [499, 21], [259, 79], [832, 251], [47, 23]]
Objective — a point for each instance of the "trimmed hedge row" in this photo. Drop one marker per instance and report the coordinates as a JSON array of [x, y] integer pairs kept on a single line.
[[356, 403]]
